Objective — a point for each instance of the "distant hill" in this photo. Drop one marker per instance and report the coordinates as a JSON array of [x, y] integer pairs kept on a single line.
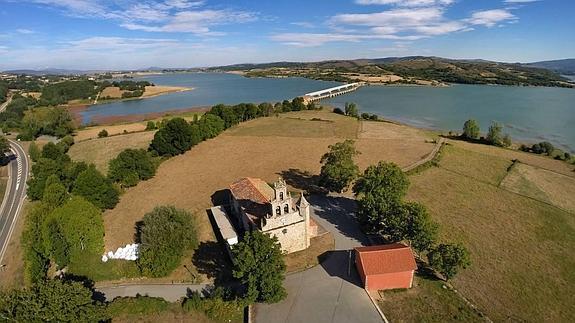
[[48, 71], [412, 70], [561, 66]]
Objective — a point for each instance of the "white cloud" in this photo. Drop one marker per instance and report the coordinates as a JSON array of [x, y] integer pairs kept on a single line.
[[25, 31], [408, 20], [520, 1], [490, 18], [406, 3], [154, 16]]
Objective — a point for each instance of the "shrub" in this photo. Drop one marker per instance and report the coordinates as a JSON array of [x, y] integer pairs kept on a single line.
[[165, 234], [173, 138], [448, 259], [338, 111], [139, 305], [96, 188], [34, 152], [103, 133], [52, 301], [214, 307], [365, 116], [130, 166], [151, 126], [471, 129]]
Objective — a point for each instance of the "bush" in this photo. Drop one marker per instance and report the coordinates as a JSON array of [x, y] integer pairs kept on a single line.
[[338, 111], [165, 234], [151, 126], [131, 166], [448, 259], [365, 116], [139, 305], [471, 129], [96, 188], [214, 307], [351, 110], [174, 138], [52, 301], [495, 135], [34, 152], [103, 133]]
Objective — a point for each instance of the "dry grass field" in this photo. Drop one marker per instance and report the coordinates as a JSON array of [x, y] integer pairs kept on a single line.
[[522, 250], [100, 151], [113, 92], [543, 185], [427, 301], [151, 91], [92, 132], [189, 181]]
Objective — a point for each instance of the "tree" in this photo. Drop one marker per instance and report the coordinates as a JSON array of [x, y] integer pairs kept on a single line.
[[351, 110], [173, 139], [506, 141], [41, 170], [55, 152], [210, 126], [419, 228], [81, 226], [259, 264], [96, 188], [448, 259], [131, 164], [494, 135], [151, 126], [103, 133], [471, 129], [379, 192], [55, 193], [52, 301], [55, 242], [165, 234], [34, 152], [338, 169]]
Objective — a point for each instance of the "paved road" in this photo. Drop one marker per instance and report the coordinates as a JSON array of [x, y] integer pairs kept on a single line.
[[170, 292], [331, 291], [5, 104], [15, 194]]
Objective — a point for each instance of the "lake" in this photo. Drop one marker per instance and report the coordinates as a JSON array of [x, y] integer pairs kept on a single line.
[[528, 113]]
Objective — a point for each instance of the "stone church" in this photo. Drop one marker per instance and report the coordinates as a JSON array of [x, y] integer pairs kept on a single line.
[[272, 210]]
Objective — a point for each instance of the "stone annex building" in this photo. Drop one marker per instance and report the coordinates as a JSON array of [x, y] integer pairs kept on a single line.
[[257, 205]]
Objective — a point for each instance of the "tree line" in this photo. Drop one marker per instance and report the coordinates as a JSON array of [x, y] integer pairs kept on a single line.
[[381, 207]]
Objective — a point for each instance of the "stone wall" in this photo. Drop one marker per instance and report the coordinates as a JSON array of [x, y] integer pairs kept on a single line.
[[292, 238]]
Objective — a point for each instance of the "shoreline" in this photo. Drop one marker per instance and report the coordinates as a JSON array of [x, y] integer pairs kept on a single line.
[[76, 112]]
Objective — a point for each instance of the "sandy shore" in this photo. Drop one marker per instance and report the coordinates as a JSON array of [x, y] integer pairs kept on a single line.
[[152, 91]]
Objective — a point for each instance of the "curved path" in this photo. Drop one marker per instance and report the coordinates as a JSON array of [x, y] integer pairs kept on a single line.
[[427, 158], [14, 196]]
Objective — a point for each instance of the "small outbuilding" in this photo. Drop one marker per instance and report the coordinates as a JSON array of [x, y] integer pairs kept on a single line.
[[387, 266]]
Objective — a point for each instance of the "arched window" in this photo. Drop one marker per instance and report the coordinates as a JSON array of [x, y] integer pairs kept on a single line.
[[278, 210], [286, 208], [281, 196]]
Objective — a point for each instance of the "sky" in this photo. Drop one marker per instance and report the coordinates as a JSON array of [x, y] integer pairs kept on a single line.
[[134, 34]]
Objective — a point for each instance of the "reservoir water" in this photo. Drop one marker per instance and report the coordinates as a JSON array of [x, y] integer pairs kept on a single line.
[[528, 113]]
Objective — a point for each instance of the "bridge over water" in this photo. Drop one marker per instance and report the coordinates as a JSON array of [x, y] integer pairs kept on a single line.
[[331, 92]]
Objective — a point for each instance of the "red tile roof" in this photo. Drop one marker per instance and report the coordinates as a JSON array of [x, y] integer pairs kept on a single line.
[[252, 189], [385, 259]]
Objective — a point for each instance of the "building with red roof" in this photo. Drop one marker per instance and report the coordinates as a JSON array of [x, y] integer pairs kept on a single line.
[[383, 267], [272, 210]]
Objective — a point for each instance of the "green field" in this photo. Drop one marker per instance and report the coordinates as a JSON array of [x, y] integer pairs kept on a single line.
[[427, 301], [522, 249]]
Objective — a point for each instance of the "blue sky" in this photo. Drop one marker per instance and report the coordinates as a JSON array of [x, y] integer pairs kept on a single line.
[[127, 34]]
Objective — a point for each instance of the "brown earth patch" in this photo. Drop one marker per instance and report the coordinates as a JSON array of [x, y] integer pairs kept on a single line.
[[113, 92]]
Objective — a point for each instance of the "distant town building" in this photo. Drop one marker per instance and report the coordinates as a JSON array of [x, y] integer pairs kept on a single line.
[[384, 267], [273, 210]]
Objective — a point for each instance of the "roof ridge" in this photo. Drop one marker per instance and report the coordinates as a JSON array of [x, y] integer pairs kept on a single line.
[[257, 188]]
